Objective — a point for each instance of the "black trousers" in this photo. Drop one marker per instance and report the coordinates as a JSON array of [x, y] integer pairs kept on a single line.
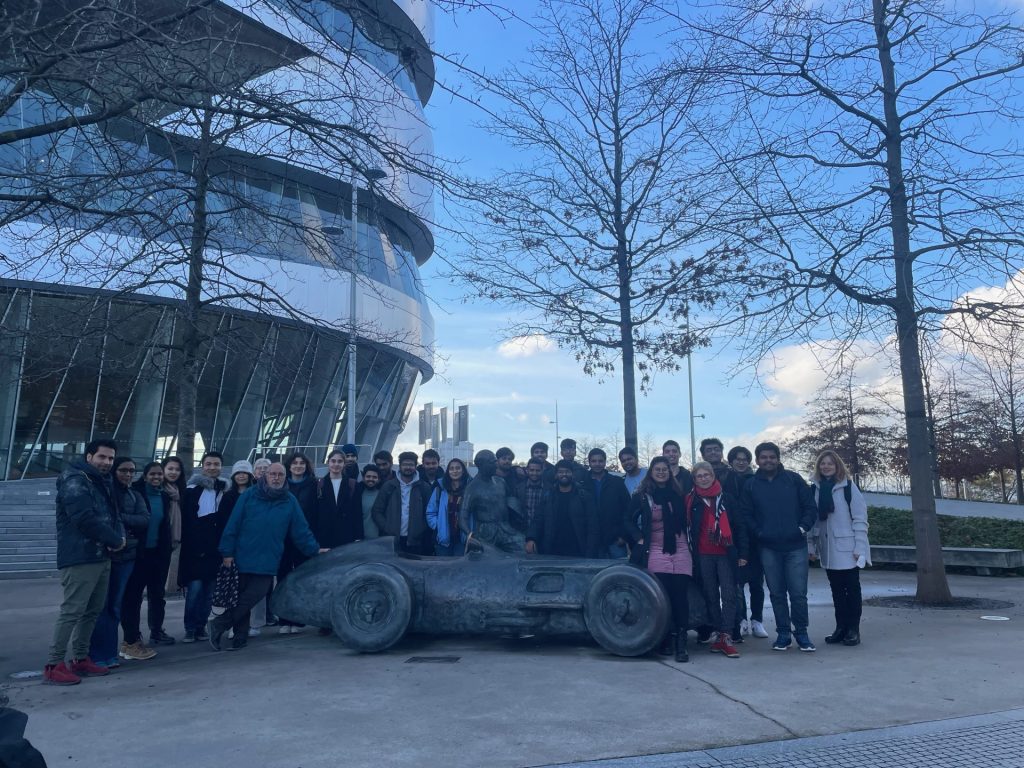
[[753, 574], [252, 587], [677, 586], [846, 596], [149, 576]]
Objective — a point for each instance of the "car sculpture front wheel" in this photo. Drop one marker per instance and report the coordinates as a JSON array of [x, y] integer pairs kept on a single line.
[[371, 608], [626, 610]]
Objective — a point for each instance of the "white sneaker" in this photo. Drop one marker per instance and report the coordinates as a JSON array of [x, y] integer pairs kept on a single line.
[[757, 629], [253, 632], [744, 627], [284, 629], [231, 634]]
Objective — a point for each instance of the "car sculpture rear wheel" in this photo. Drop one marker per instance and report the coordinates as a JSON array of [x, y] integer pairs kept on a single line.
[[626, 610], [371, 608]]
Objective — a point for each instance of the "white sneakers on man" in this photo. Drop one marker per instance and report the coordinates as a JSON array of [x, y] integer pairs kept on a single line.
[[757, 629]]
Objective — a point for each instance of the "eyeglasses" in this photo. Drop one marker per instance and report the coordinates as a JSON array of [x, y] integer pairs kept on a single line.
[[126, 470]]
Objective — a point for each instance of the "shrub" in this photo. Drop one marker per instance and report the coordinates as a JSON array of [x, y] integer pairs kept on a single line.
[[896, 526]]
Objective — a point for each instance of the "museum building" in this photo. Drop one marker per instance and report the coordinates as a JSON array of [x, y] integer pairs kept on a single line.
[[91, 347]]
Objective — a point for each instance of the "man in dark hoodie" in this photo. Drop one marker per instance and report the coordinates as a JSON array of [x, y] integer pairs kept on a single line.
[[778, 507], [88, 530]]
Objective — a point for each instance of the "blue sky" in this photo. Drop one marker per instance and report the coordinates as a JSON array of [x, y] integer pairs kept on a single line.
[[512, 387]]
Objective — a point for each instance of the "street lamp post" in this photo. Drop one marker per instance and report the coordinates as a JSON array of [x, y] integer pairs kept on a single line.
[[555, 422], [373, 174]]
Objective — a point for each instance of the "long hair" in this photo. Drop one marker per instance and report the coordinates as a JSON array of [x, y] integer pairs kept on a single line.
[[182, 482], [841, 471], [446, 481], [647, 484]]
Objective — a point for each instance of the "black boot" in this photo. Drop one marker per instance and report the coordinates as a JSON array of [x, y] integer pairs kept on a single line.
[[837, 636], [667, 645], [852, 636], [681, 655]]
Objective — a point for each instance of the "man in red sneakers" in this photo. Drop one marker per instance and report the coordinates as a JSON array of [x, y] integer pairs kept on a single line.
[[88, 530]]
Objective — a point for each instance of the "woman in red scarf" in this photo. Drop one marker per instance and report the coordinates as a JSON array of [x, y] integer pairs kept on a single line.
[[721, 548]]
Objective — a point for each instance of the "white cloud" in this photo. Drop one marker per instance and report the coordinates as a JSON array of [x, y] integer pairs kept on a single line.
[[526, 346]]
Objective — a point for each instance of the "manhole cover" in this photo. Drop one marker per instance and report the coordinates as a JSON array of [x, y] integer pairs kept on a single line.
[[432, 660], [958, 604]]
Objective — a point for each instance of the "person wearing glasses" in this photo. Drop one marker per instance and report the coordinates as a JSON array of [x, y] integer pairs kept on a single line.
[[253, 540]]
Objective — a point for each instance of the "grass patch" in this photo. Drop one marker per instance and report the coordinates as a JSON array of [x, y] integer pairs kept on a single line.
[[896, 526]]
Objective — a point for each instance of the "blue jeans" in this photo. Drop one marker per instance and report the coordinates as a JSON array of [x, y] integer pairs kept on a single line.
[[198, 601], [103, 644], [786, 574], [617, 551]]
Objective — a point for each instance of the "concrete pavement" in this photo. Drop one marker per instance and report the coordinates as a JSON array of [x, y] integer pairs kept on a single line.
[[301, 700]]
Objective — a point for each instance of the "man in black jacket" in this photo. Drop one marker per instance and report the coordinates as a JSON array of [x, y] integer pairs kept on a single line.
[[778, 508], [88, 530], [567, 524], [612, 501]]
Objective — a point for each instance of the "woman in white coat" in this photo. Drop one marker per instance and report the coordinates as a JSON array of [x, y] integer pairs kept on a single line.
[[839, 539]]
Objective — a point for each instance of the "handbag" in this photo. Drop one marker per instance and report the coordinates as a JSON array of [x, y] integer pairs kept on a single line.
[[225, 590]]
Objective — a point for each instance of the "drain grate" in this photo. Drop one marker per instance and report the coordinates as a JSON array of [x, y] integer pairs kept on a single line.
[[433, 660]]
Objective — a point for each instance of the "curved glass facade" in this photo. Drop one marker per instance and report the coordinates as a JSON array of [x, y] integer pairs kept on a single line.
[[79, 361], [76, 365]]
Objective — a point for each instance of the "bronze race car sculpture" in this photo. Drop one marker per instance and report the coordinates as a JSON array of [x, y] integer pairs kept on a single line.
[[371, 596]]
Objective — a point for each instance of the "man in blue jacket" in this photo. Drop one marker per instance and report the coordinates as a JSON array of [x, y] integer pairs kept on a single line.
[[88, 530], [253, 540], [778, 508]]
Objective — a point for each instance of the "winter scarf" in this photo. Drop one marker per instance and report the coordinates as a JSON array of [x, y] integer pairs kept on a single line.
[[207, 483], [173, 512], [825, 504], [264, 491], [671, 516], [712, 499]]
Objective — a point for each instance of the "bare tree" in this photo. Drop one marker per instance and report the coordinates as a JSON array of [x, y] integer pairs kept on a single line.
[[994, 362], [879, 166], [596, 236], [844, 418]]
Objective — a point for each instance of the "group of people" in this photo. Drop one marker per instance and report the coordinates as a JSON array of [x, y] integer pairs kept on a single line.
[[720, 526]]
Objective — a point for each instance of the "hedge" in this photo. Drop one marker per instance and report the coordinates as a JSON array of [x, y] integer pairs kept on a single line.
[[896, 526]]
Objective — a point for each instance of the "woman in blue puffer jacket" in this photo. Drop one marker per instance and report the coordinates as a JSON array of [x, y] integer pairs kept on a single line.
[[443, 510]]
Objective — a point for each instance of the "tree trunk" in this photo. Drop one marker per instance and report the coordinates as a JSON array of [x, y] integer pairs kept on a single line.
[[932, 585], [932, 445], [628, 379], [1018, 460], [188, 384]]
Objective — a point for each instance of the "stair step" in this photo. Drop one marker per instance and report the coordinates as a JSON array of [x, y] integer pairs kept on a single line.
[[26, 535], [28, 565], [27, 517], [29, 558], [39, 547], [27, 526], [32, 573]]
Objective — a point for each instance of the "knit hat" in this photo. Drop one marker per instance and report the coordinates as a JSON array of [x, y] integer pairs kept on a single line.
[[348, 448], [241, 466]]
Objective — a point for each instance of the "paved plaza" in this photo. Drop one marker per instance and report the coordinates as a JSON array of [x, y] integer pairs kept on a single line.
[[302, 701]]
